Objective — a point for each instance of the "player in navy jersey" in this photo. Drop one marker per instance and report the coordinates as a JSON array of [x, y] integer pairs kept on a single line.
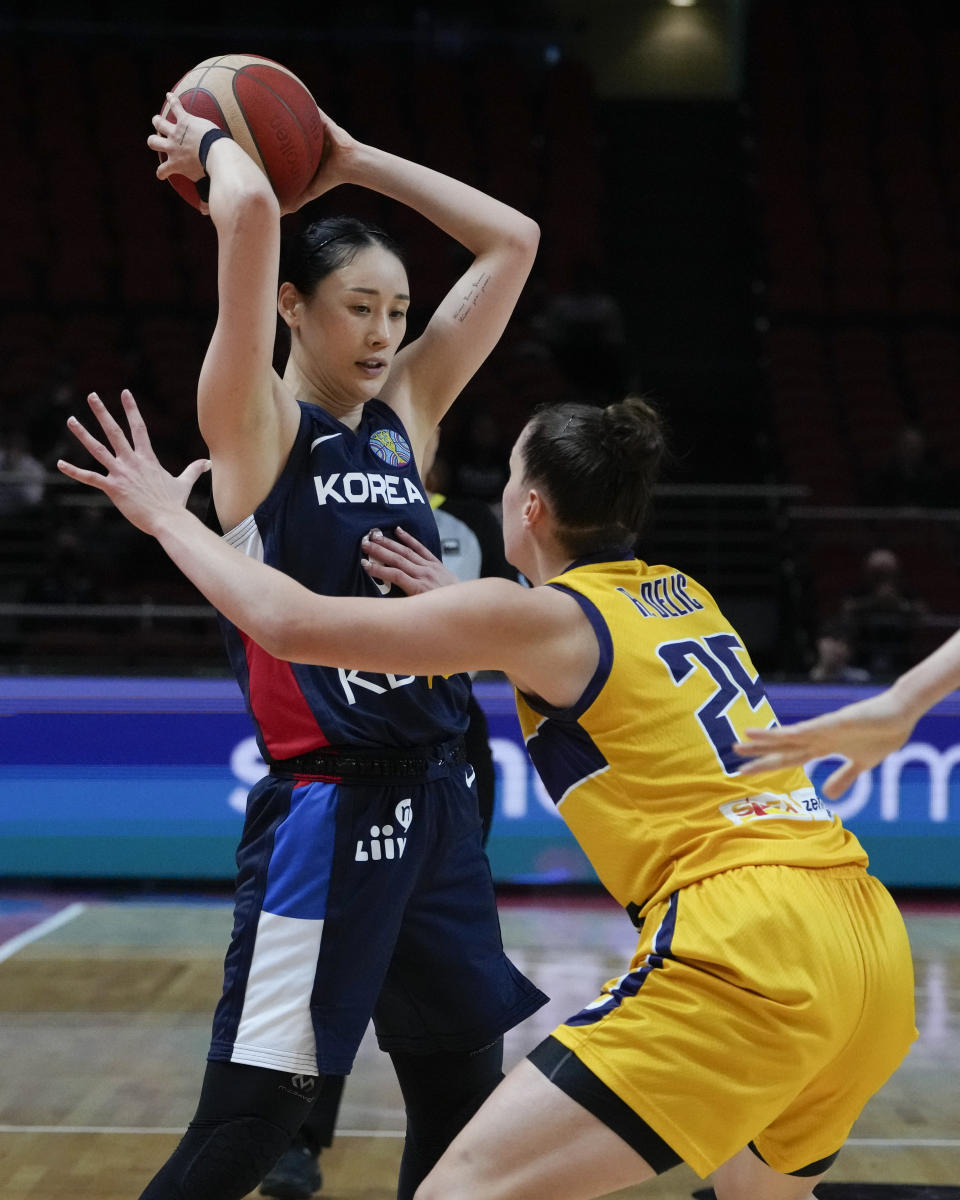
[[771, 990], [472, 547], [362, 887]]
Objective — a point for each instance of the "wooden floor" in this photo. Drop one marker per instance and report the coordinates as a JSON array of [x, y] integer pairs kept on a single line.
[[105, 1010]]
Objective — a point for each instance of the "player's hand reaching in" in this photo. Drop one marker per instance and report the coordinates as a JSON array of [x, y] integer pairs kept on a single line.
[[863, 733], [404, 561], [138, 485]]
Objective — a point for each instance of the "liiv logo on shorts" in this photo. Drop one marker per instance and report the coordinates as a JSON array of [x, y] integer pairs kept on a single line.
[[382, 843]]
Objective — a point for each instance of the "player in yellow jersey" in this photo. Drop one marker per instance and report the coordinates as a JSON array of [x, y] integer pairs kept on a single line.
[[771, 992]]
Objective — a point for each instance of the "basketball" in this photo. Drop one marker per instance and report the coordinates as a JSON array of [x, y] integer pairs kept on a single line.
[[266, 110]]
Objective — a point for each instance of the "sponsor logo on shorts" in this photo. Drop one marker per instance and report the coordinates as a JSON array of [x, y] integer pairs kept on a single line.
[[384, 842], [801, 805]]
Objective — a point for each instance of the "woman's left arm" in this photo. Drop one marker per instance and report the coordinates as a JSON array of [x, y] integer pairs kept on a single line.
[[429, 374]]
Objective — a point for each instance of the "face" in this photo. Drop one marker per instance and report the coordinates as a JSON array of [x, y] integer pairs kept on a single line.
[[349, 330]]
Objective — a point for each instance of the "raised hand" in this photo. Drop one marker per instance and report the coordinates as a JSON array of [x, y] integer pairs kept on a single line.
[[177, 138], [135, 481], [336, 163], [405, 562]]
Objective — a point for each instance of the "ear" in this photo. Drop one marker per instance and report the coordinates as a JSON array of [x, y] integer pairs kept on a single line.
[[534, 509], [289, 304]]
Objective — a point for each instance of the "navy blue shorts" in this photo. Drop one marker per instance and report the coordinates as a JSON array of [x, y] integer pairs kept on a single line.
[[359, 899]]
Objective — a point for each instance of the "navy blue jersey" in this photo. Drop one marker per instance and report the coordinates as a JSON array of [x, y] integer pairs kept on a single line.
[[336, 486]]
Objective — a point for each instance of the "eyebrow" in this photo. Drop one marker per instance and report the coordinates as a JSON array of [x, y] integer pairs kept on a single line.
[[376, 292]]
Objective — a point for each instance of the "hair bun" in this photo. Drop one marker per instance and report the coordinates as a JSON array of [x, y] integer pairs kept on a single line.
[[632, 433]]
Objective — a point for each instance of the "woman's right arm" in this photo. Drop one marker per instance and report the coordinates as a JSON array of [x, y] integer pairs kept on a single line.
[[538, 636], [484, 623], [864, 732], [246, 420]]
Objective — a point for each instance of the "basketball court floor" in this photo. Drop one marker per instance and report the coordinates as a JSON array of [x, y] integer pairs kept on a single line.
[[105, 1008]]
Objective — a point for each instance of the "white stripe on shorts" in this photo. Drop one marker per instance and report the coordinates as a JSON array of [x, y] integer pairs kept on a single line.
[[275, 1029]]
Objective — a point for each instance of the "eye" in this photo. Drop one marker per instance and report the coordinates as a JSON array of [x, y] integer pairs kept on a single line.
[[399, 314]]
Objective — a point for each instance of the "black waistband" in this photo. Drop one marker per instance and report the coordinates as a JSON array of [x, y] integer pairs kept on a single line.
[[379, 762]]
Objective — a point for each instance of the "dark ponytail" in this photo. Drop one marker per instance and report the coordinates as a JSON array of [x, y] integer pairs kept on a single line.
[[598, 467], [310, 255]]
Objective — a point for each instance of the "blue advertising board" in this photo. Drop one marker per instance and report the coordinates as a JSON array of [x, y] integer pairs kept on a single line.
[[147, 778]]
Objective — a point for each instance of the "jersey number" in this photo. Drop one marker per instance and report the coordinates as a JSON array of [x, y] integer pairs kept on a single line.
[[716, 654]]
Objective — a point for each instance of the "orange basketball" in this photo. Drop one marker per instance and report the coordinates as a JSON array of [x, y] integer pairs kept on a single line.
[[266, 109]]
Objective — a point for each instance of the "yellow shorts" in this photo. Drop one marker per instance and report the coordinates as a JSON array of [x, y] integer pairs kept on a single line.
[[764, 1004]]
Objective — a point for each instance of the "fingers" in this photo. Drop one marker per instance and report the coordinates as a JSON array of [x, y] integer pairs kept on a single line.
[[165, 130], [765, 762], [94, 448], [190, 474], [379, 573], [381, 553], [409, 540], [175, 107], [91, 478], [115, 435], [138, 429], [386, 550], [841, 779]]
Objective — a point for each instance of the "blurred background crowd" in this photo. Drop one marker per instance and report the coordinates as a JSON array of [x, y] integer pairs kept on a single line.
[[750, 213]]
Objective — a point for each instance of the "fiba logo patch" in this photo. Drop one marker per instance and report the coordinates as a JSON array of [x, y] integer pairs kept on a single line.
[[390, 447]]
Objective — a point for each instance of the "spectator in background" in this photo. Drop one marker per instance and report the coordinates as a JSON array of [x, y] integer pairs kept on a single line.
[[882, 617], [22, 477], [912, 476], [833, 657]]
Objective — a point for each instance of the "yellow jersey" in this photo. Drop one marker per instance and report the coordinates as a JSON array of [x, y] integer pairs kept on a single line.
[[642, 767]]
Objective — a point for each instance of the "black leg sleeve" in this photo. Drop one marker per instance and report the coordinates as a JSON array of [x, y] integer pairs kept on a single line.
[[317, 1130], [244, 1121], [441, 1093]]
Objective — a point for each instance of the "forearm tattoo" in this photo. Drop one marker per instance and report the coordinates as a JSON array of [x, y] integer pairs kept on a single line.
[[472, 298]]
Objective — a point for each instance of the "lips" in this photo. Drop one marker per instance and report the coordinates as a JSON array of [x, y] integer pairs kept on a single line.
[[372, 364]]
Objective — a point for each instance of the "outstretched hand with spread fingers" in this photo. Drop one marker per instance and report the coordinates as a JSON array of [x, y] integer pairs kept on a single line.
[[863, 733], [138, 485]]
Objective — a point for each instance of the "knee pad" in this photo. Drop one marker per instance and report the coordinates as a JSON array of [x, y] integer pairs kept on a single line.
[[245, 1119], [224, 1161], [441, 1092], [448, 1085]]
